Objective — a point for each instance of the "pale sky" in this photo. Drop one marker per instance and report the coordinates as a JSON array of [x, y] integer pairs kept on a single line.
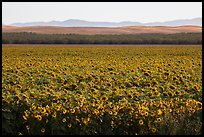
[[13, 12]]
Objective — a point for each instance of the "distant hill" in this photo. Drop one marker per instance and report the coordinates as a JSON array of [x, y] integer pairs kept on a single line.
[[195, 21], [82, 23], [104, 30]]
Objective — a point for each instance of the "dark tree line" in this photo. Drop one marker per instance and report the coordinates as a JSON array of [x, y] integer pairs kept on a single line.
[[34, 38]]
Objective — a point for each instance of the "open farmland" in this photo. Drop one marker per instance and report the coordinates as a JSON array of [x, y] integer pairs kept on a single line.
[[103, 30], [89, 89]]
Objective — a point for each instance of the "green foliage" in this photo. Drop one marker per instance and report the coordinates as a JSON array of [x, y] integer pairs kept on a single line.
[[34, 38]]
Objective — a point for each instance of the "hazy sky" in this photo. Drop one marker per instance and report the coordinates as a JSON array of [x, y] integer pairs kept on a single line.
[[144, 12]]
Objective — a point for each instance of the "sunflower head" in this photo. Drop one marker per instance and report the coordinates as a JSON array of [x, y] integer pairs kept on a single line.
[[43, 130], [141, 122], [199, 105], [159, 112], [104, 98], [154, 130], [146, 113], [129, 96], [69, 125], [64, 120], [158, 120], [39, 118]]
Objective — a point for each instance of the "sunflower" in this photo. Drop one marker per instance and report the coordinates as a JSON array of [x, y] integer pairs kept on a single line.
[[199, 105], [192, 110], [129, 96], [46, 114], [69, 125], [64, 120], [26, 113], [158, 120], [146, 113], [172, 87], [64, 111], [58, 108], [104, 98], [43, 110], [96, 111], [72, 110], [47, 107], [141, 122], [39, 118], [115, 113], [148, 85], [54, 115], [154, 130], [110, 112], [159, 112], [43, 130], [142, 112], [80, 104]]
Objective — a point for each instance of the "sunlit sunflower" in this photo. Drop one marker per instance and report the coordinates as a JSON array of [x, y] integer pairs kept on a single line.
[[141, 122], [115, 113], [72, 110], [64, 111], [43, 110], [69, 125], [192, 110], [159, 112], [199, 105], [46, 114], [158, 120], [39, 118], [64, 120], [47, 107], [104, 98], [54, 115], [110, 112], [129, 96], [58, 108], [146, 113]]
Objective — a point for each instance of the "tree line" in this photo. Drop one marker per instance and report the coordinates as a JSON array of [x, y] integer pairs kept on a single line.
[[34, 38]]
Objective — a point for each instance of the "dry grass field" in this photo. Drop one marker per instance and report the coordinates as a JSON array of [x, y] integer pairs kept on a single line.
[[104, 30]]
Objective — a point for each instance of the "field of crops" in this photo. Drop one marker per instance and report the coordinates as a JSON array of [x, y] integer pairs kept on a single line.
[[126, 90]]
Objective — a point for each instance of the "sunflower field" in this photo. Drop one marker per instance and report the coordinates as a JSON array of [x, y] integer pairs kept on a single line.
[[101, 90]]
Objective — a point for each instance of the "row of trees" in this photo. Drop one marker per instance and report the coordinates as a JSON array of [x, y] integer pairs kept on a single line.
[[34, 38]]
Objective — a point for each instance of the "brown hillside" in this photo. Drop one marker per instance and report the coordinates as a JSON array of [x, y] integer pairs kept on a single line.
[[103, 30]]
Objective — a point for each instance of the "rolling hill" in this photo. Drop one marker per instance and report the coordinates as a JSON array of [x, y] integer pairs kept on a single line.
[[104, 30], [83, 23]]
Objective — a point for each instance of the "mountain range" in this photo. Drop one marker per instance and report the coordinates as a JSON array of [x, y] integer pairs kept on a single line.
[[83, 23]]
